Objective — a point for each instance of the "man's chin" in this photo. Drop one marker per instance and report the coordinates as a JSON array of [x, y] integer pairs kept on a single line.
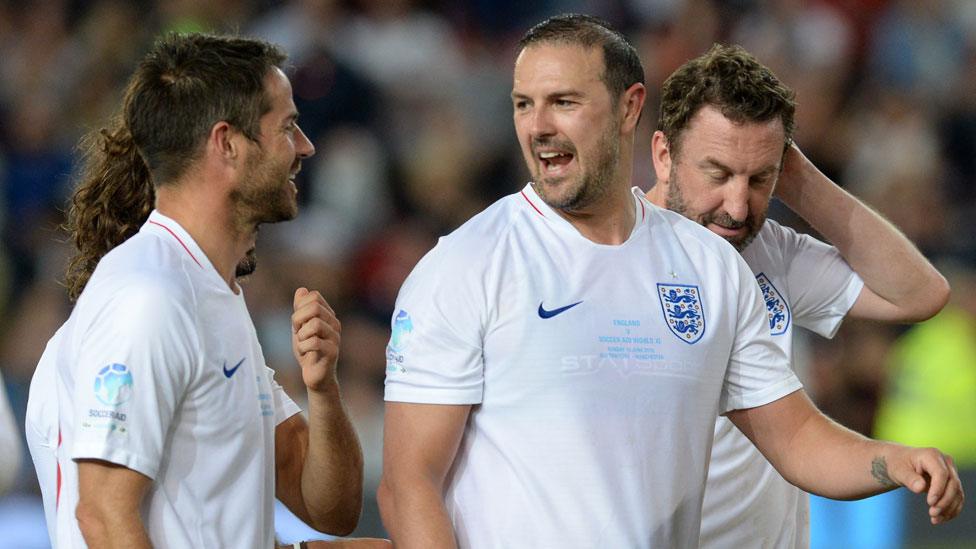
[[741, 243], [559, 193]]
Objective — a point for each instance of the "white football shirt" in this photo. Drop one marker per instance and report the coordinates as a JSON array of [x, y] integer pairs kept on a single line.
[[159, 369], [596, 372], [41, 430], [804, 282]]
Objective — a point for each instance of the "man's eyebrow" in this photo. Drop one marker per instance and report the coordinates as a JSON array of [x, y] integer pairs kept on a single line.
[[550, 96], [710, 162]]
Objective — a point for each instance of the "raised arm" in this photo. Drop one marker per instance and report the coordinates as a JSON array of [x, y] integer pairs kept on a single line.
[[900, 285], [822, 457], [319, 465], [419, 445]]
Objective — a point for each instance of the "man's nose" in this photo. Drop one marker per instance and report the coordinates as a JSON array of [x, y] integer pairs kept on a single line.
[[736, 202]]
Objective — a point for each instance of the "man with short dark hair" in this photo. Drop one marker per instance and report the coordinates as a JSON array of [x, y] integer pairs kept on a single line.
[[557, 363], [722, 148]]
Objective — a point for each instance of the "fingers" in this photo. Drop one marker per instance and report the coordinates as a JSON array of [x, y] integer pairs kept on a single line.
[[944, 494], [317, 326], [326, 347], [948, 504], [308, 305]]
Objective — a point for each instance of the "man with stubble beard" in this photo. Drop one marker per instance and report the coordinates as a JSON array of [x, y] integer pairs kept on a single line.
[[556, 364], [723, 147], [171, 431]]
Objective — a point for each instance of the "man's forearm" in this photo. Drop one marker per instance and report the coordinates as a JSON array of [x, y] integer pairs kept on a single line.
[[830, 460], [116, 529], [332, 477], [888, 262], [415, 517]]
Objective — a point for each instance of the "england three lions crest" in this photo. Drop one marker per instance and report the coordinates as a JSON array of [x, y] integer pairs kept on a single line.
[[682, 308], [776, 307]]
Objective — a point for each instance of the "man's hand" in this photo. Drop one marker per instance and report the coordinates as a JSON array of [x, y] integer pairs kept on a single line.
[[822, 457], [924, 470], [319, 464], [315, 339], [792, 177]]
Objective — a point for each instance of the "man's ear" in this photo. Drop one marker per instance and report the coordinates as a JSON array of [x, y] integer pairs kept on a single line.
[[661, 155], [225, 142], [633, 103]]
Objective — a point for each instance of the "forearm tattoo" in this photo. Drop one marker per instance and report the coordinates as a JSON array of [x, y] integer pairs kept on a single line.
[[879, 470]]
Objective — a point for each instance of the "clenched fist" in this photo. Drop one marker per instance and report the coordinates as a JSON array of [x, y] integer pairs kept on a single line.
[[315, 338]]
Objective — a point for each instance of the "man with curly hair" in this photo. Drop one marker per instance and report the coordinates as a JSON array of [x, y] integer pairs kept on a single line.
[[724, 145]]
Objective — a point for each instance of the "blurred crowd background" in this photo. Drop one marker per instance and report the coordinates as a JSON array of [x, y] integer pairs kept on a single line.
[[407, 103]]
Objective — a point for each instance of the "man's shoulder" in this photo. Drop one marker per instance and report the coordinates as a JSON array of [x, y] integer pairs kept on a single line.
[[467, 257], [144, 259], [475, 240], [691, 236], [141, 273], [492, 221], [777, 245]]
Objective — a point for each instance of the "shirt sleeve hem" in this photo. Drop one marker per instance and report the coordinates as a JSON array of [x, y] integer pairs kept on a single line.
[[287, 409], [769, 394], [853, 293], [473, 396], [117, 456]]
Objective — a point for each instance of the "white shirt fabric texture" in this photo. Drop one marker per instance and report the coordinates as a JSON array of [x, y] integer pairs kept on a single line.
[[807, 283], [595, 372], [41, 430], [159, 369]]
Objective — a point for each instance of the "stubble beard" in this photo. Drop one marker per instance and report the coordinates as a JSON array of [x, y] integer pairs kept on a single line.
[[590, 186], [265, 197], [675, 201], [247, 265]]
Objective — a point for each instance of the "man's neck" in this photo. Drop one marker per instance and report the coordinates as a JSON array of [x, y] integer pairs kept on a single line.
[[657, 195], [610, 221], [206, 217]]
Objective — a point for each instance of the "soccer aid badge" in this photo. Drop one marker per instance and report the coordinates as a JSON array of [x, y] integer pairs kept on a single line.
[[776, 307], [682, 308], [112, 388], [113, 384], [399, 338]]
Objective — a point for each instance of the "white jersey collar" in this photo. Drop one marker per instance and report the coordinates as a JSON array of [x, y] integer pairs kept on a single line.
[[170, 229], [535, 202]]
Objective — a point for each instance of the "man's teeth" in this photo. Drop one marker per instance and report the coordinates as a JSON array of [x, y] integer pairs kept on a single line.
[[548, 155]]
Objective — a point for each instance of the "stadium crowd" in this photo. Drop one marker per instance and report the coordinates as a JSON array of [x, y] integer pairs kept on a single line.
[[407, 103]]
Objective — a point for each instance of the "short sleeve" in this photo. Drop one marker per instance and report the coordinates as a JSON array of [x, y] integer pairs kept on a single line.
[[758, 371], [138, 354], [823, 287], [435, 351], [285, 407]]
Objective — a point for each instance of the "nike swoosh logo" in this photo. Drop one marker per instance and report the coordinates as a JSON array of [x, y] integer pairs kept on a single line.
[[228, 373], [549, 314]]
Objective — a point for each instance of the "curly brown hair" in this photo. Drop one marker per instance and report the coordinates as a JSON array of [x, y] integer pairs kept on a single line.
[[731, 80], [110, 203], [183, 86]]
